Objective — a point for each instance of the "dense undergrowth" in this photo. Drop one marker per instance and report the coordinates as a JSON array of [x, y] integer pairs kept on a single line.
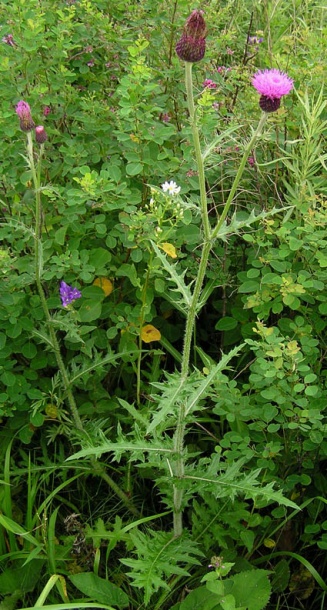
[[148, 462]]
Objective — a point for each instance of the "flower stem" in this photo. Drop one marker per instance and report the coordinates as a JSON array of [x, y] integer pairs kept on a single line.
[[239, 174], [36, 176], [190, 321]]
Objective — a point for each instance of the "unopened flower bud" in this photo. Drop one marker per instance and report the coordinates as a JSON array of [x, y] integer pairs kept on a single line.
[[40, 134], [25, 118], [192, 44]]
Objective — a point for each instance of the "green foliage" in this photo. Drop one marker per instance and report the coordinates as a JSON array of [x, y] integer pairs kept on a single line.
[[248, 590], [159, 557], [105, 82], [99, 589]]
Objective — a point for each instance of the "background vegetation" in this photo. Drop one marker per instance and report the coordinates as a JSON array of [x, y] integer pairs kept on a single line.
[[86, 501]]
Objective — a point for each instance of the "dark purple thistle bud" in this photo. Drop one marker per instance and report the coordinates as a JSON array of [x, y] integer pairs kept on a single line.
[[192, 44], [40, 134], [25, 118]]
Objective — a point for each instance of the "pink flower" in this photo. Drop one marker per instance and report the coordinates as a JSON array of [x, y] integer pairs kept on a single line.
[[272, 84], [46, 110], [209, 84]]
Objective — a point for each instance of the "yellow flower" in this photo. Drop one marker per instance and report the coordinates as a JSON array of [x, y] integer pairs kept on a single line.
[[150, 333], [169, 249], [106, 285]]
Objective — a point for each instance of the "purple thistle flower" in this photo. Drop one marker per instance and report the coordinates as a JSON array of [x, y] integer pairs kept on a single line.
[[272, 84], [24, 112], [68, 294], [192, 44]]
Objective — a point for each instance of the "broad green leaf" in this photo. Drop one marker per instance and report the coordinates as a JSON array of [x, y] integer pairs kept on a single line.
[[99, 590]]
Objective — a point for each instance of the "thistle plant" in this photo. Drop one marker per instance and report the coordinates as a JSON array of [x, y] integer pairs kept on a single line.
[[68, 294], [272, 85], [183, 392]]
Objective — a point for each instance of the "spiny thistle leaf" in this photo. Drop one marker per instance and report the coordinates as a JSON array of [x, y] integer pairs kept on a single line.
[[190, 391], [177, 278], [232, 483], [234, 225], [159, 556]]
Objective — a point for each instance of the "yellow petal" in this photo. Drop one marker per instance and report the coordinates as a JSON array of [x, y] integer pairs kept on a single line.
[[150, 333], [169, 249], [106, 285]]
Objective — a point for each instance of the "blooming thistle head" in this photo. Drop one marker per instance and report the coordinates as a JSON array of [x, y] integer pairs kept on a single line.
[[272, 84], [68, 294], [40, 134], [192, 44], [25, 118]]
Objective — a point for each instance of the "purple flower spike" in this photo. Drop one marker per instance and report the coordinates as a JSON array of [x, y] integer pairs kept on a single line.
[[68, 294], [272, 84], [24, 112]]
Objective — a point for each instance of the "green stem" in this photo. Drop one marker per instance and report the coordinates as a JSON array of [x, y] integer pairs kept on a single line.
[[239, 174], [197, 150], [36, 175], [190, 321], [139, 359]]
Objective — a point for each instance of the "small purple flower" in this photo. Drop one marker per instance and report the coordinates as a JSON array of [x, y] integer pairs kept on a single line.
[[46, 110], [251, 161], [272, 84], [68, 294], [24, 112], [254, 40], [209, 84]]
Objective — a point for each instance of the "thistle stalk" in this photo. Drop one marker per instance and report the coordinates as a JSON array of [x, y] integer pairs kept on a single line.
[[36, 177], [190, 320]]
